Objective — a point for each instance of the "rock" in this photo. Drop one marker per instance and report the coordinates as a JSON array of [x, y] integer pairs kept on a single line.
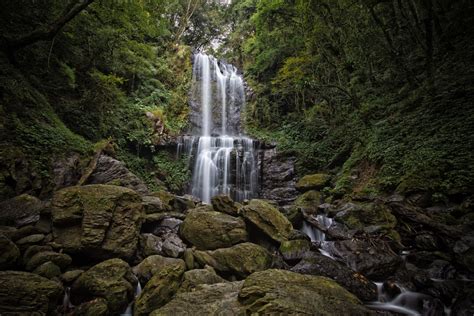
[[183, 203], [70, 276], [155, 264], [280, 292], [426, 242], [309, 201], [30, 240], [293, 213], [159, 289], [153, 204], [112, 280], [373, 259], [189, 259], [66, 171], [95, 307], [9, 253], [27, 293], [166, 197], [99, 221], [241, 259], [62, 260], [8, 231], [48, 270], [315, 181], [20, 210], [294, 249], [169, 244], [195, 277], [24, 232], [208, 299], [268, 219], [109, 169], [33, 250], [317, 264], [209, 230], [224, 204]]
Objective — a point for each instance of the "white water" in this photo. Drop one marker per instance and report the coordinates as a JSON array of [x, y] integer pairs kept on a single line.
[[129, 310], [317, 235], [223, 163]]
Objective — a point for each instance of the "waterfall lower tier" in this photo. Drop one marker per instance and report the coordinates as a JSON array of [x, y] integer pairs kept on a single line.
[[221, 165]]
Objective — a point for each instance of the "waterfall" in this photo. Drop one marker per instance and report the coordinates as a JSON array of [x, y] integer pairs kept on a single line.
[[223, 161]]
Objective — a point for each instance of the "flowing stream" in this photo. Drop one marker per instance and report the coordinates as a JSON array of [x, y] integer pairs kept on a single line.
[[223, 161]]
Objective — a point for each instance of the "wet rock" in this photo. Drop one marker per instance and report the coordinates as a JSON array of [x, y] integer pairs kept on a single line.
[[48, 270], [112, 280], [423, 259], [95, 307], [9, 253], [268, 219], [99, 221], [210, 230], [224, 204], [27, 293], [293, 213], [160, 289], [62, 260], [112, 170], [241, 259], [183, 203], [194, 278], [374, 259], [426, 242], [280, 292], [315, 181], [70, 276], [208, 299], [20, 210], [155, 264], [464, 251], [294, 249], [317, 264]]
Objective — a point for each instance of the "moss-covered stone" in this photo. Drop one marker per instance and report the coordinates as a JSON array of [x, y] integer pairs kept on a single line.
[[212, 230], [33, 250], [95, 307], [294, 249], [100, 221], [20, 210], [23, 293], [159, 289], [360, 215], [241, 259], [9, 253], [280, 292], [62, 260], [70, 276], [48, 270], [30, 240], [224, 204], [208, 299], [195, 277], [155, 264], [268, 219], [309, 201], [315, 181], [112, 280]]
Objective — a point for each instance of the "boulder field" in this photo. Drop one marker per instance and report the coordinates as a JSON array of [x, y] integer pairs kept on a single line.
[[102, 249]]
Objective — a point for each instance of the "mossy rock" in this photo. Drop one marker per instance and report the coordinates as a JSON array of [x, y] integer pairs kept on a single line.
[[294, 249], [241, 259], [112, 280], [23, 293], [95, 307], [152, 265], [70, 276], [268, 219], [99, 221], [165, 196], [20, 210], [9, 253], [224, 204], [48, 270], [315, 181], [208, 230], [280, 292], [309, 201], [62, 260], [360, 215], [193, 278], [159, 290], [207, 299]]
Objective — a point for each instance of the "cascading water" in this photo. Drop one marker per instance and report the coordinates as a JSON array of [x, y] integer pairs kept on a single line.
[[223, 161]]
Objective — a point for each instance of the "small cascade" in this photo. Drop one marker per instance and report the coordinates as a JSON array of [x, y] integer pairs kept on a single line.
[[222, 160], [129, 310], [67, 305], [318, 236]]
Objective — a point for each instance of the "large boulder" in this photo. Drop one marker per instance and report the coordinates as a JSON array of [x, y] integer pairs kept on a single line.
[[9, 253], [155, 264], [159, 290], [317, 264], [224, 204], [241, 259], [112, 280], [20, 210], [280, 292], [309, 201], [315, 181], [110, 170], [267, 219], [100, 221], [211, 230], [208, 299], [193, 278], [23, 293]]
